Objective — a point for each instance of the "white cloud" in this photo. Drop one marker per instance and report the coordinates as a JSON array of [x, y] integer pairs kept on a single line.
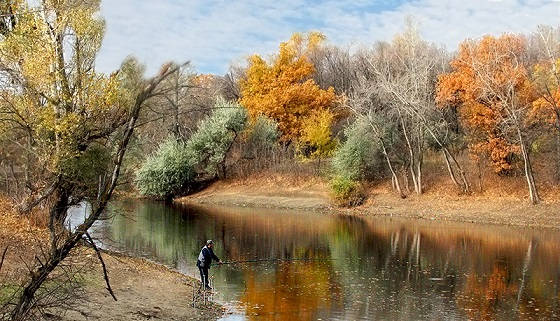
[[212, 33]]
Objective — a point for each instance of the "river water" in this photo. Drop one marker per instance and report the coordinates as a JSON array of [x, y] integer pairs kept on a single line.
[[349, 267]]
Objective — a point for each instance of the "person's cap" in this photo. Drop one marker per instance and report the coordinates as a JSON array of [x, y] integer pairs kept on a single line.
[[209, 242]]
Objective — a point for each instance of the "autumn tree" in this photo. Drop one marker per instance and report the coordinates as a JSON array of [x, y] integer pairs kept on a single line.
[[489, 85], [71, 124], [283, 89], [545, 76], [316, 141]]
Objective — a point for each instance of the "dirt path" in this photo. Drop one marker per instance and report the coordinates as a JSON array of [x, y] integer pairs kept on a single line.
[[314, 195]]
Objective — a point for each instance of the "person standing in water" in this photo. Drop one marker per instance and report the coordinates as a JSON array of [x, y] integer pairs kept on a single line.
[[204, 261]]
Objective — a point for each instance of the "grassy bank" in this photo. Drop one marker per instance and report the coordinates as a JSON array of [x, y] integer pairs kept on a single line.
[[144, 290], [498, 205]]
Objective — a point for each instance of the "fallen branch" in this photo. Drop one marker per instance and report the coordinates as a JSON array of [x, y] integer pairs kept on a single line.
[[105, 275]]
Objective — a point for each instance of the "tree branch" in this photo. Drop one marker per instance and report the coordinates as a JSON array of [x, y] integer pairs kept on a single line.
[[105, 275]]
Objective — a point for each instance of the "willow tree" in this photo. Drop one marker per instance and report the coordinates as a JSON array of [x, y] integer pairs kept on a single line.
[[71, 123]]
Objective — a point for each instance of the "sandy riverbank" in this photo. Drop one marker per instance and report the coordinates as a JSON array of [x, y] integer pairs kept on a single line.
[[313, 194], [145, 290]]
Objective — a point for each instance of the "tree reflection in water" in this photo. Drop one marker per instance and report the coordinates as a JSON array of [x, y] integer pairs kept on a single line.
[[359, 268]]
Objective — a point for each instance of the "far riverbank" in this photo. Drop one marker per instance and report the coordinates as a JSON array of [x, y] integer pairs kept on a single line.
[[313, 194]]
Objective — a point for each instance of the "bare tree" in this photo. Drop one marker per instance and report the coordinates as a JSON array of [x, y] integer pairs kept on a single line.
[[408, 80], [333, 68]]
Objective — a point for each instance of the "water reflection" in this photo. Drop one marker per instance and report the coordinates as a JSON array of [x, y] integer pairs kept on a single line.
[[358, 268]]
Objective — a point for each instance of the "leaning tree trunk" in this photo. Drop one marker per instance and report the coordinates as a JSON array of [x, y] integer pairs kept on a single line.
[[450, 169], [59, 252], [533, 193], [465, 187], [394, 176]]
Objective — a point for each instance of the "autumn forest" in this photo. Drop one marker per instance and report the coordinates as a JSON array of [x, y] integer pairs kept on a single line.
[[405, 116]]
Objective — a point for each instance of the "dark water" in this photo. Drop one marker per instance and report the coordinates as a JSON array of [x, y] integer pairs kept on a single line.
[[358, 268]]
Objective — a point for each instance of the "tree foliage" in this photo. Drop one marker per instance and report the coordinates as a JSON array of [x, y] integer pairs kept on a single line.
[[215, 136], [177, 165], [262, 137], [358, 155], [316, 140], [481, 98], [283, 89], [167, 171]]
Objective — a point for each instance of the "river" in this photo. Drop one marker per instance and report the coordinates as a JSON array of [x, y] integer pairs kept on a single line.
[[349, 267]]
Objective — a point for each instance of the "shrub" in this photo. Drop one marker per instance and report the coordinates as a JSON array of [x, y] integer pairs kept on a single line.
[[359, 155], [347, 192], [167, 171], [215, 135], [176, 164]]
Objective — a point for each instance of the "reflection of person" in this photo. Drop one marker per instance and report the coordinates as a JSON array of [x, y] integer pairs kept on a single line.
[[204, 261]]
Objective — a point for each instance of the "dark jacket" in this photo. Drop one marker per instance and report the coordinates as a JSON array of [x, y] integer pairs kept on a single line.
[[205, 257]]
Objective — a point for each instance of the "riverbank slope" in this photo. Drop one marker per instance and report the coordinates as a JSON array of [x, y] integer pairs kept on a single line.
[[313, 194], [144, 290]]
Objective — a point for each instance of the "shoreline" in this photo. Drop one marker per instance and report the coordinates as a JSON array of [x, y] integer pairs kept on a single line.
[[314, 196], [144, 289]]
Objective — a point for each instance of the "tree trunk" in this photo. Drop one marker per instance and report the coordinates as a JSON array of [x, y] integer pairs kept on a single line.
[[465, 185], [419, 163], [533, 193], [405, 179], [412, 161], [176, 130], [557, 174], [450, 169], [395, 179]]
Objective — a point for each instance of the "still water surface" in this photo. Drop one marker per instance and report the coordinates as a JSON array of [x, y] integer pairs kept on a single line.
[[358, 268]]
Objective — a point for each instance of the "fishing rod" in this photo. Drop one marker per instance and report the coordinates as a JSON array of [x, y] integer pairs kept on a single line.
[[274, 260]]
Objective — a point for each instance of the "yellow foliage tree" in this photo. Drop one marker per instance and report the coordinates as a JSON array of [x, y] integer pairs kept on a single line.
[[316, 139], [546, 80], [283, 89], [70, 124], [55, 97]]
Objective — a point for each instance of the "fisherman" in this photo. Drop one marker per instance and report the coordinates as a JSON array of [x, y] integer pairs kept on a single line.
[[204, 261]]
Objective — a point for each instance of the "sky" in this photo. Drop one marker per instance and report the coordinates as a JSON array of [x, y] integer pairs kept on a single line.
[[212, 34]]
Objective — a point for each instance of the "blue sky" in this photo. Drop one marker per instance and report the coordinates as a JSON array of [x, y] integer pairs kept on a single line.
[[212, 34]]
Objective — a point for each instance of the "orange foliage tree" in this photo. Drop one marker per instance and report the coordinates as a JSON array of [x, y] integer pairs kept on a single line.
[[546, 76], [284, 90], [490, 86]]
